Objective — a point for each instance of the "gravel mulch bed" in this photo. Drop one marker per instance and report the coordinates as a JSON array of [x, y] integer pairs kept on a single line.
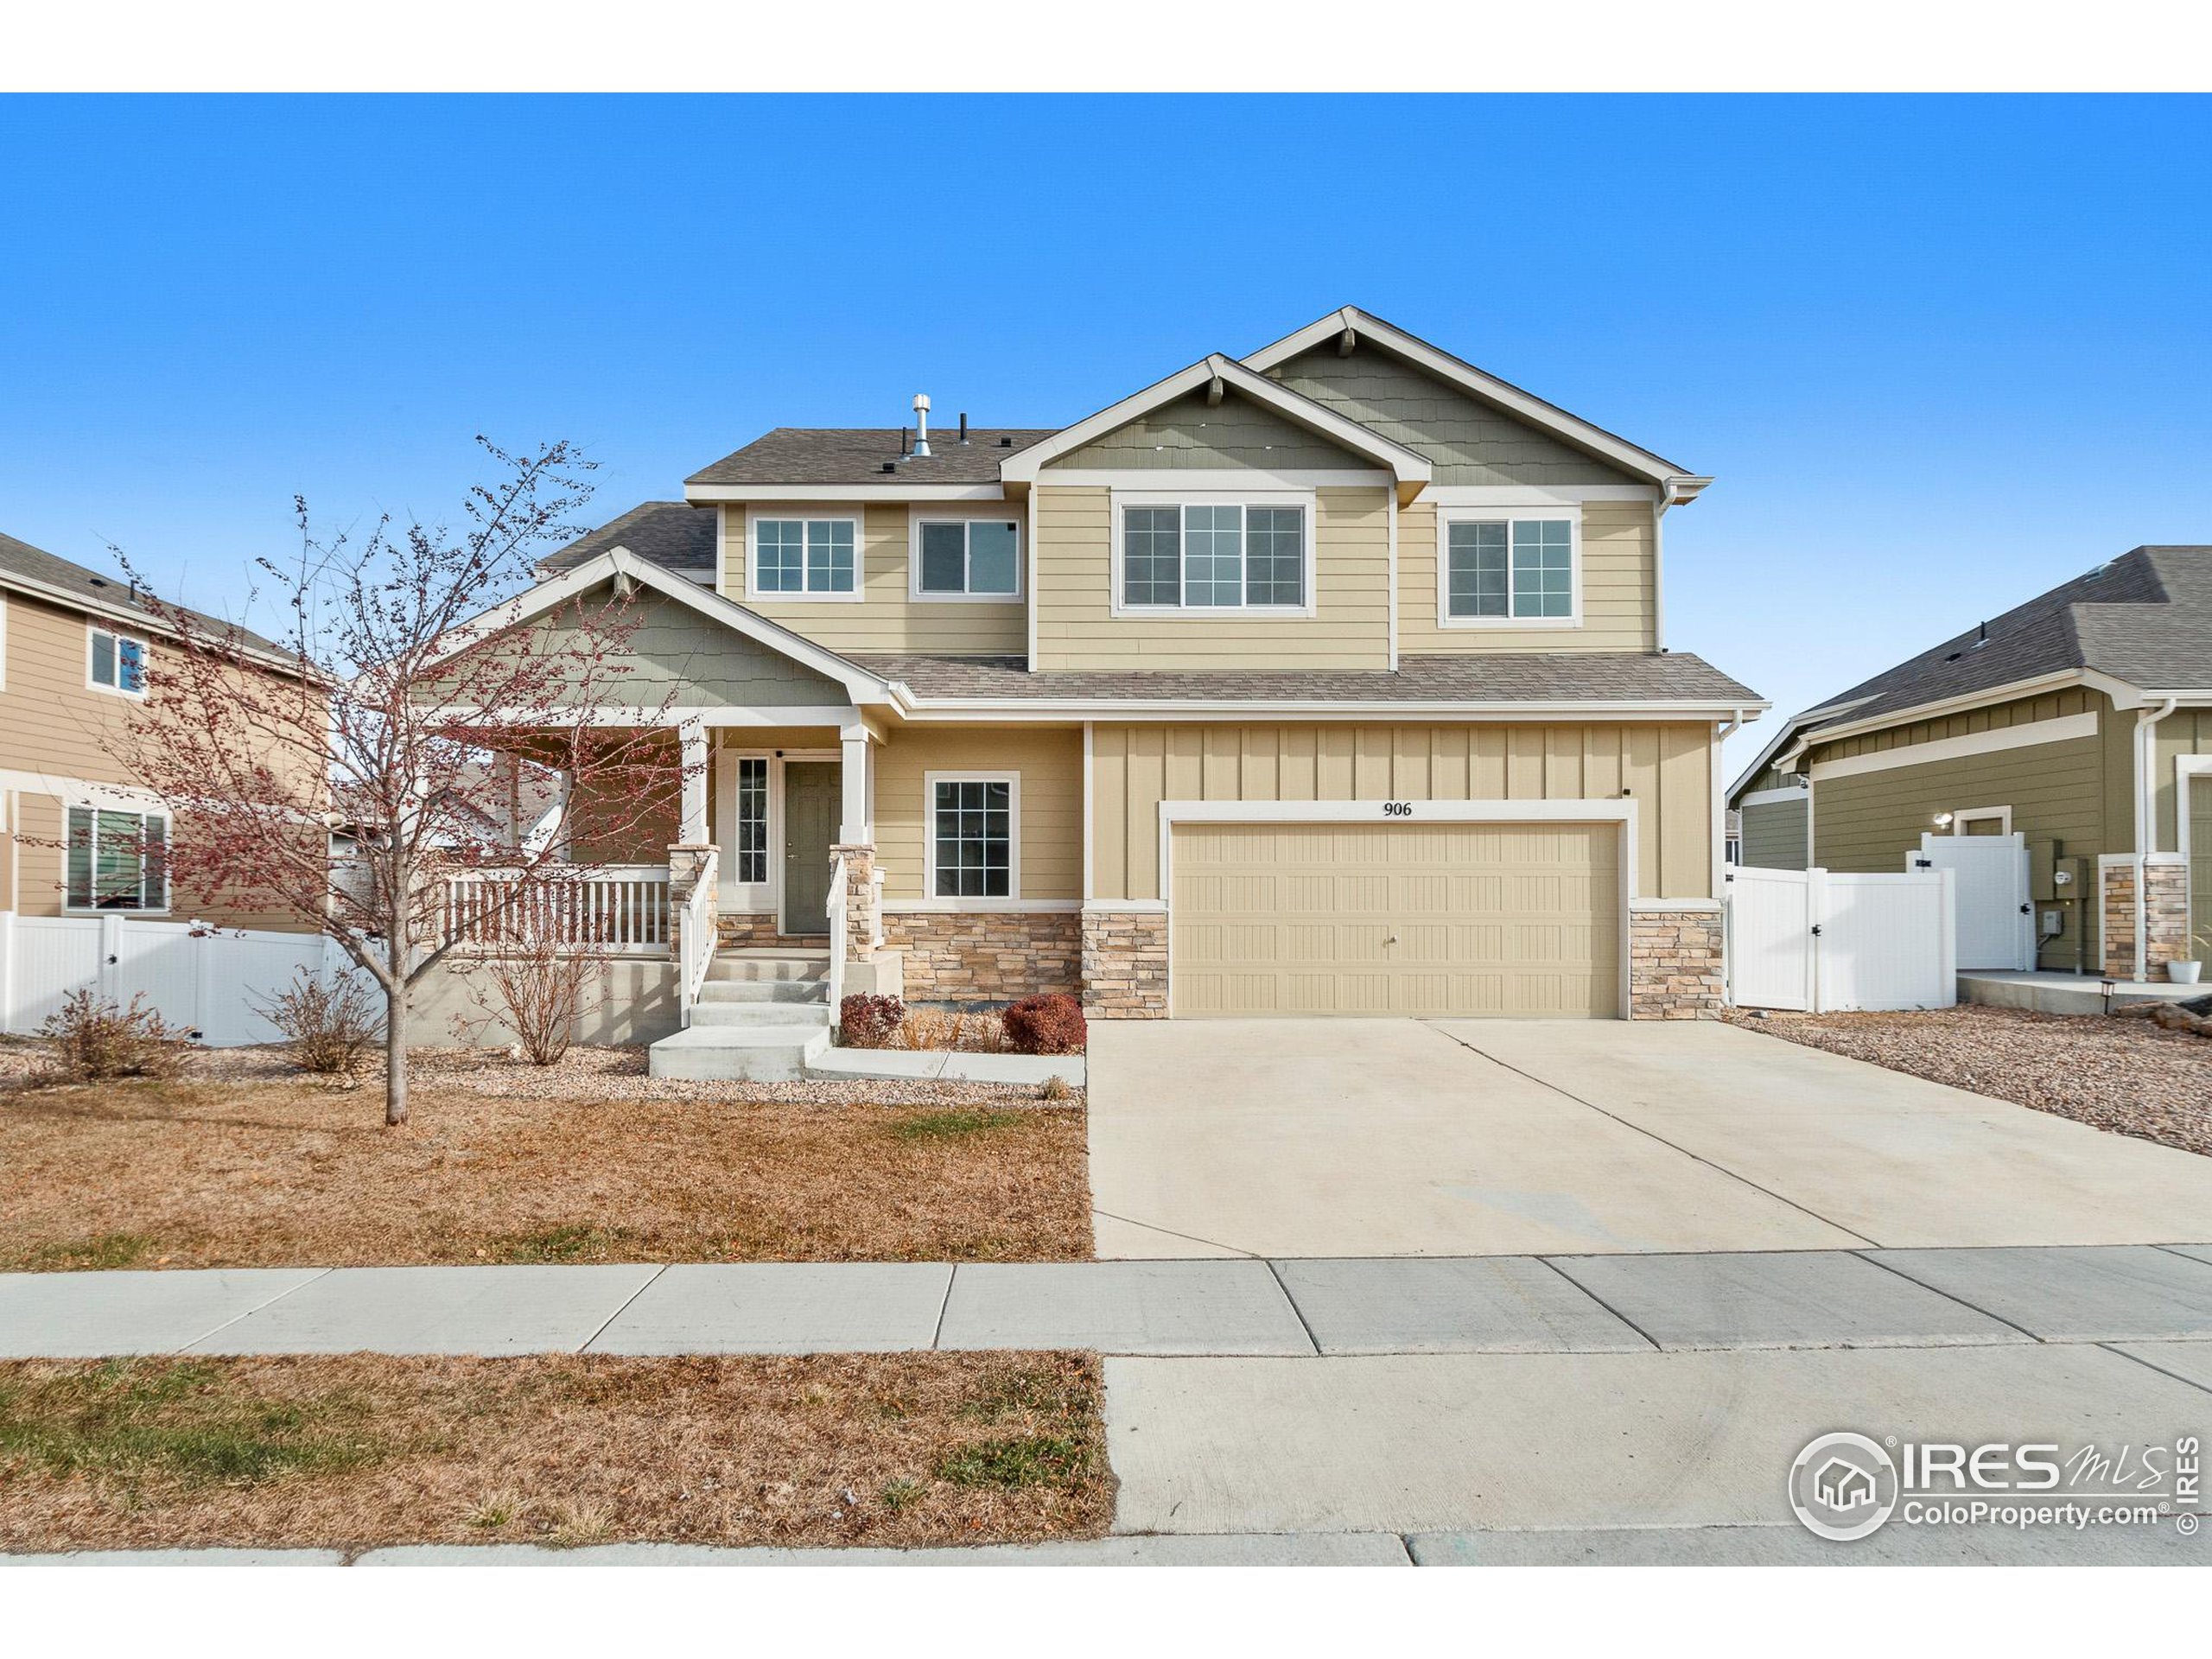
[[354, 1450], [2120, 1073]]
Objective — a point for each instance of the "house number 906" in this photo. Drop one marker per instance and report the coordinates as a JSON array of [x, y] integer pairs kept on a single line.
[[1398, 809]]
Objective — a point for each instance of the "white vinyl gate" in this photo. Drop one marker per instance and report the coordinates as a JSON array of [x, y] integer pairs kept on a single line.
[[1818, 941], [1996, 922], [208, 981]]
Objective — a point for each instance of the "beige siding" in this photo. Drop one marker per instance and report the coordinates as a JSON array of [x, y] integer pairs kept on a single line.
[[1666, 770], [1465, 440], [1077, 630], [1774, 835], [886, 618], [1050, 761], [1237, 432], [1619, 573]]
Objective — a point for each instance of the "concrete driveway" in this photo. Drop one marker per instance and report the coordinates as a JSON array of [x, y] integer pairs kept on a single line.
[[1394, 1137]]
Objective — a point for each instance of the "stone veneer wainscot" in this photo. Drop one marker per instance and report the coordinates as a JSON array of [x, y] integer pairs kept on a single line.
[[985, 955], [1675, 963], [1125, 964]]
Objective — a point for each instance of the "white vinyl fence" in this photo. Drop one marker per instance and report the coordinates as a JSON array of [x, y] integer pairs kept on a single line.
[[1996, 922], [206, 980], [1818, 941]]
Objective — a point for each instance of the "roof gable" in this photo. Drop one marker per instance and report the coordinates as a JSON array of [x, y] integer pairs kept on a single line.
[[1236, 431]]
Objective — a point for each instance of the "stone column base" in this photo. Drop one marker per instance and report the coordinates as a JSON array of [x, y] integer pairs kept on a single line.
[[2166, 918], [1675, 963], [859, 898], [1125, 964]]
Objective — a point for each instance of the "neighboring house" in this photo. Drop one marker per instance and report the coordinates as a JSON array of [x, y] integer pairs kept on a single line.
[[2081, 720], [1331, 680], [83, 837]]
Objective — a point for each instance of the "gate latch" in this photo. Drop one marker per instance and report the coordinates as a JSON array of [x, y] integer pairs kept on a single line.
[[1817, 930]]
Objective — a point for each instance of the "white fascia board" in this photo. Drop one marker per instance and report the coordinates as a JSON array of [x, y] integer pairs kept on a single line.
[[140, 621], [2062, 729], [1410, 470], [1792, 796], [1680, 485], [1790, 729], [858, 683], [1064, 710], [892, 492]]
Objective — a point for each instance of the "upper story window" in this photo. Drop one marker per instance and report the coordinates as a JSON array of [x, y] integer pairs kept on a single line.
[[116, 861], [806, 558], [966, 558], [1216, 555], [116, 663], [1504, 569]]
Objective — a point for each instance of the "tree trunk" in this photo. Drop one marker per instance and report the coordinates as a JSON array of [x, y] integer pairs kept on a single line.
[[395, 1058]]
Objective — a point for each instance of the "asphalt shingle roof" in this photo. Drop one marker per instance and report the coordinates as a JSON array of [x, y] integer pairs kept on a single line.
[[2144, 618], [36, 564], [856, 454], [1536, 676], [671, 534]]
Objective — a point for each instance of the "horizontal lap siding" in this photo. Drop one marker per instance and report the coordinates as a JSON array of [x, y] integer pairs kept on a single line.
[[1618, 574], [1871, 820], [1050, 765], [1666, 769], [1774, 835], [885, 620], [2185, 731], [40, 828], [1078, 631]]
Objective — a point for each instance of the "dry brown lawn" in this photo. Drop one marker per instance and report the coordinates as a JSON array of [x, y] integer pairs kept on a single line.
[[202, 1174], [356, 1451]]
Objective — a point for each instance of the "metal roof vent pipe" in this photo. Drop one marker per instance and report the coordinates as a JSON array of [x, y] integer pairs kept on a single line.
[[921, 423], [963, 426]]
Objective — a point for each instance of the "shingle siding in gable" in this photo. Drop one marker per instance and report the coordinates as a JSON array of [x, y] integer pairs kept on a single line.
[[1235, 432], [1466, 440]]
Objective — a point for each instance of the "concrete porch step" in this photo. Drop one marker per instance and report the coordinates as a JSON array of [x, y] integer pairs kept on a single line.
[[761, 1016], [764, 990], [759, 964], [733, 1053]]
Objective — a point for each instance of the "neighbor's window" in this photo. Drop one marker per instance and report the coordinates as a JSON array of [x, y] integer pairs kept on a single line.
[[753, 818], [1509, 568], [802, 556], [1214, 555], [117, 861], [973, 556], [973, 833], [118, 663]]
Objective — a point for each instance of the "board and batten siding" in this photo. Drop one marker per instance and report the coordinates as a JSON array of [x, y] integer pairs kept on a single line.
[[885, 620], [1775, 835], [2185, 731], [1050, 762], [1620, 590], [1667, 769], [1076, 629]]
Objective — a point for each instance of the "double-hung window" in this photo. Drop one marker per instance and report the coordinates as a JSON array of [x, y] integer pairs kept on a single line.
[[116, 861], [1506, 568], [1214, 555], [974, 837], [803, 558], [116, 662], [967, 558]]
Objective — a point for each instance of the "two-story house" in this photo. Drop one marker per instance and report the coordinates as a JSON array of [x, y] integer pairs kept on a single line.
[[1328, 680]]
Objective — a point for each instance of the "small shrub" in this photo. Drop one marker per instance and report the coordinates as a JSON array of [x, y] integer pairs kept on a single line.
[[90, 1039], [327, 1027], [1052, 1024], [868, 1022], [933, 1029], [1055, 1089]]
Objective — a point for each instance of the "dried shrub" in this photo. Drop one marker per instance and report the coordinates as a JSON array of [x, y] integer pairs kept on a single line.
[[936, 1029], [869, 1022], [90, 1039], [537, 968], [1050, 1024], [328, 1027]]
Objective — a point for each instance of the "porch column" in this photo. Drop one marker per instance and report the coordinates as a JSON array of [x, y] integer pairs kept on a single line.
[[693, 735], [856, 826]]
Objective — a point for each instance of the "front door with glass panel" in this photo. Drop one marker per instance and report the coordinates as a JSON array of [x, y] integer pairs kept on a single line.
[[810, 805]]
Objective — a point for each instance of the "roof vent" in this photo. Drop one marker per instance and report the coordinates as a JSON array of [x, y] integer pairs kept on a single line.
[[963, 426], [890, 465], [921, 423], [1006, 443]]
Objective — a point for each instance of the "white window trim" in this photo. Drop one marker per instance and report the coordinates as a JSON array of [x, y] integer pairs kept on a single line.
[[145, 657], [1961, 816], [1013, 781], [754, 517], [920, 515], [743, 897], [4, 643], [1506, 513], [70, 803], [1122, 500]]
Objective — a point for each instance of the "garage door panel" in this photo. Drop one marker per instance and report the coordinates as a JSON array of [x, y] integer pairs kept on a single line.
[[1510, 919]]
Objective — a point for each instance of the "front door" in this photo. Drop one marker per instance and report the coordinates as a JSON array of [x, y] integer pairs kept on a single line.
[[810, 805]]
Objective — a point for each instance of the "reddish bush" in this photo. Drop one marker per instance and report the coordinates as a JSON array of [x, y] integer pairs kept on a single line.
[[869, 1021], [1052, 1024]]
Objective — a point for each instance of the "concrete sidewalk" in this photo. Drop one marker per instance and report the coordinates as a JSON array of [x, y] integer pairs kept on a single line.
[[1301, 1308]]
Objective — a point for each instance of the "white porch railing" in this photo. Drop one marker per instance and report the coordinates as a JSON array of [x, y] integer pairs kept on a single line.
[[835, 911], [695, 938], [618, 907]]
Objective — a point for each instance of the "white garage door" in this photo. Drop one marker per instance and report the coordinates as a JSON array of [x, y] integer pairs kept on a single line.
[[1514, 919]]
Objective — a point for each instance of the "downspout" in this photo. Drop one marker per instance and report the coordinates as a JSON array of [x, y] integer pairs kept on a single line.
[[2146, 783]]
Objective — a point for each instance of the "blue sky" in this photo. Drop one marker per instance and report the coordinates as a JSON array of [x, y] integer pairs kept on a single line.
[[1940, 354]]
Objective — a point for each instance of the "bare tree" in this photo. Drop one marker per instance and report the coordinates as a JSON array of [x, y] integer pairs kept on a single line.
[[399, 679]]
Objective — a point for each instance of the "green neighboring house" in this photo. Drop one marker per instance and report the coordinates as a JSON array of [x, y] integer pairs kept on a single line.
[[2081, 722]]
